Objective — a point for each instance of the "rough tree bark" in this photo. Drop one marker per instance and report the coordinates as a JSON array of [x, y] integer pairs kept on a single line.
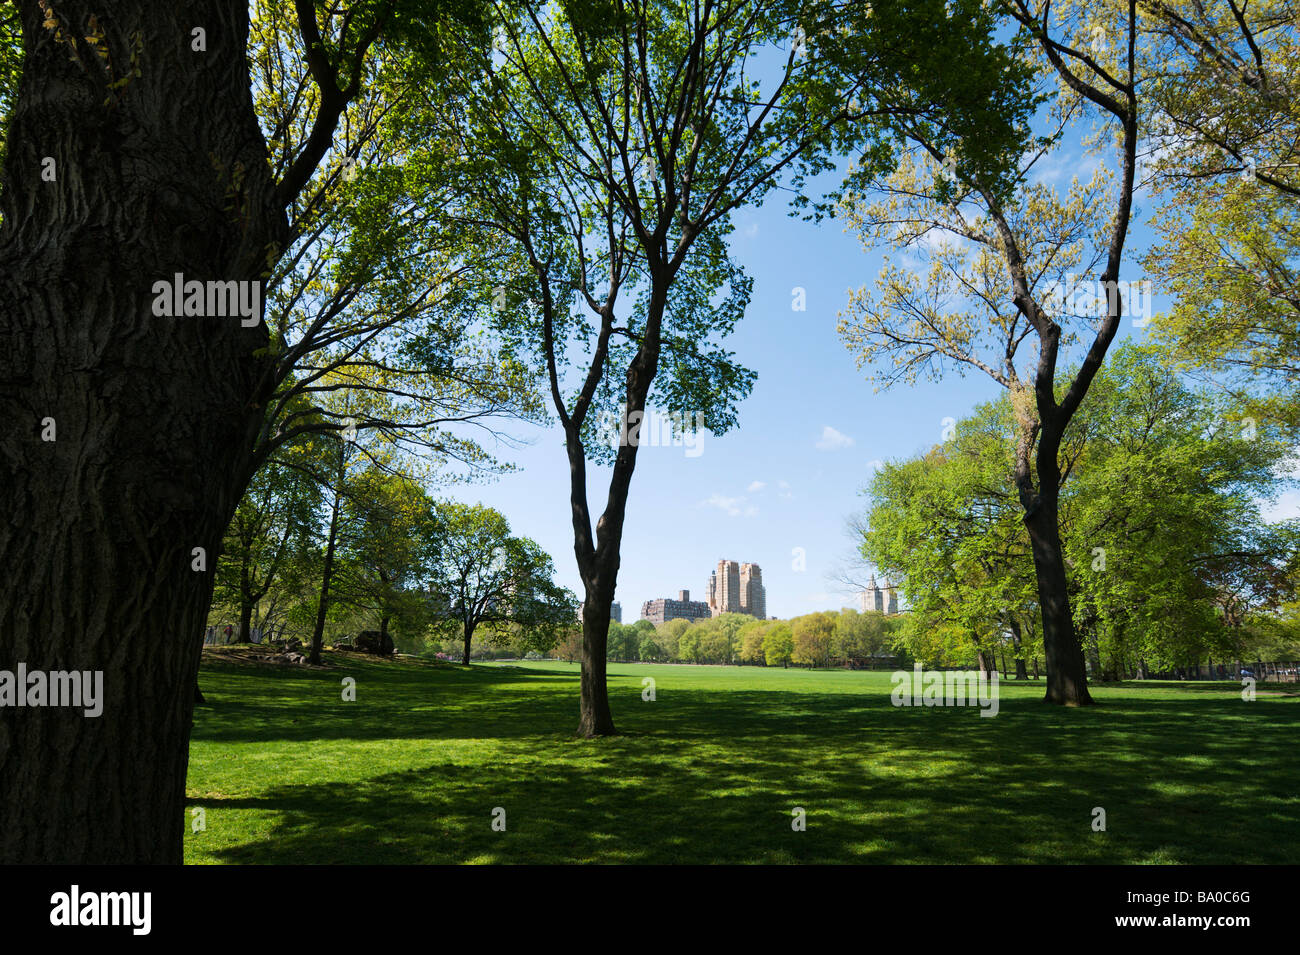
[[1067, 675], [153, 418], [1067, 681]]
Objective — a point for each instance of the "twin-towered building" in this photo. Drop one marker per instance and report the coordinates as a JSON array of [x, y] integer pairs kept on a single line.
[[733, 588], [737, 588], [880, 599]]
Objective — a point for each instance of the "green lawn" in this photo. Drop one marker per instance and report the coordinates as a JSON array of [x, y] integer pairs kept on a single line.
[[289, 773]]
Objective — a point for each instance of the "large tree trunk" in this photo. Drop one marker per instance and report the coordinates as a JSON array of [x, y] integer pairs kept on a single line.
[[151, 416], [1067, 676]]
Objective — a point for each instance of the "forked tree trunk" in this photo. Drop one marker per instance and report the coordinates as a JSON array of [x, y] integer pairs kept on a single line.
[[151, 416], [599, 559]]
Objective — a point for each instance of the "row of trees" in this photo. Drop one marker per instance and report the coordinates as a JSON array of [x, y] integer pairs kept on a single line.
[[822, 639], [313, 553]]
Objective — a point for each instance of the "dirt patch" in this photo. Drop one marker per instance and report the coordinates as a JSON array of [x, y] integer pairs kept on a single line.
[[257, 655]]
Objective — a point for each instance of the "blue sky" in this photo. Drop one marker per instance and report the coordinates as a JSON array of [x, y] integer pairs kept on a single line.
[[792, 473]]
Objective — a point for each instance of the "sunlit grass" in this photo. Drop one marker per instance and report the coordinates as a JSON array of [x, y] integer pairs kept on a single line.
[[711, 769]]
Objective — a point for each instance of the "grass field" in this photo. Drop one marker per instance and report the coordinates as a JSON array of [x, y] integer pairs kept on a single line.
[[286, 772]]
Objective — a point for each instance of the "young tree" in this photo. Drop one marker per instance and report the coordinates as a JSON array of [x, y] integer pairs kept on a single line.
[[813, 638], [668, 637], [778, 645], [272, 523], [750, 637], [859, 636], [388, 546], [484, 577], [568, 646]]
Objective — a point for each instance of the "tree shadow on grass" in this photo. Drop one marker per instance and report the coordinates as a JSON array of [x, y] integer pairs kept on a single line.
[[713, 776]]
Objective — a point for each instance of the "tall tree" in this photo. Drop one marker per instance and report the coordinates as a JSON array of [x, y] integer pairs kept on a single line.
[[813, 638], [1166, 553], [1167, 547], [389, 546], [603, 163], [1001, 245], [946, 527]]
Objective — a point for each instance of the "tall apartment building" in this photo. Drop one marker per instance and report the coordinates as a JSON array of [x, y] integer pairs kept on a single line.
[[683, 608], [724, 588], [880, 599], [737, 588], [753, 595]]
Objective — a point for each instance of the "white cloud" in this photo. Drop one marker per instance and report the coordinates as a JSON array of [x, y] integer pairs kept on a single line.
[[755, 487], [1063, 165], [832, 440], [731, 506], [728, 505]]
